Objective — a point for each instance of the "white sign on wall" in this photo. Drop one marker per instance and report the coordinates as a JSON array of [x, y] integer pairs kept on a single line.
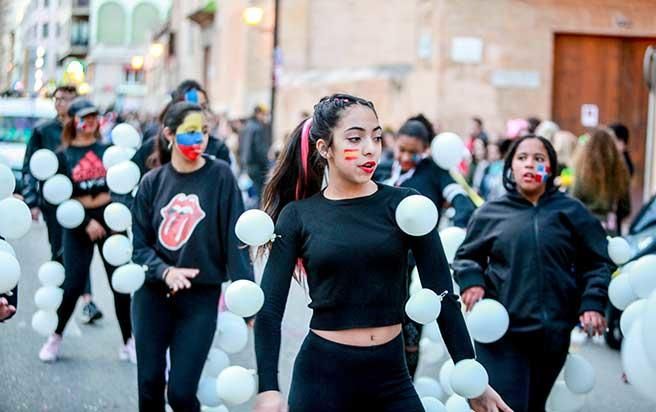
[[466, 49], [526, 79], [589, 115]]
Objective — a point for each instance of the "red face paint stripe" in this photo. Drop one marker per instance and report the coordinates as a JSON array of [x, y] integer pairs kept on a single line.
[[351, 157], [350, 150]]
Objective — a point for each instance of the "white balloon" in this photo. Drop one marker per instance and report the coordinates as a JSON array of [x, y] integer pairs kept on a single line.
[[631, 314], [620, 292], [123, 177], [488, 321], [125, 135], [235, 385], [207, 394], [52, 274], [15, 218], [254, 227], [428, 387], [469, 379], [48, 298], [642, 276], [640, 371], [217, 360], [232, 333], [579, 374], [415, 282], [561, 399], [70, 214], [447, 150], [619, 250], [128, 278], [424, 306], [431, 352], [117, 250], [457, 403], [432, 332], [649, 333], [43, 164], [416, 215], [117, 154], [6, 247], [452, 237], [118, 217], [431, 404], [45, 322], [244, 298], [10, 272], [445, 377], [7, 181], [57, 189]]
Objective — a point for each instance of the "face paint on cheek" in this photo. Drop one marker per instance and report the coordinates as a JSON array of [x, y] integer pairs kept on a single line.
[[81, 125], [542, 173], [191, 96], [190, 144], [351, 154]]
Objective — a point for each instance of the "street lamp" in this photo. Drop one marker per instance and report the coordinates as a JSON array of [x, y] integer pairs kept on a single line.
[[253, 15]]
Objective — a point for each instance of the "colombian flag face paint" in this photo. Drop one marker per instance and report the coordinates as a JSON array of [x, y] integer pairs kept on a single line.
[[189, 136]]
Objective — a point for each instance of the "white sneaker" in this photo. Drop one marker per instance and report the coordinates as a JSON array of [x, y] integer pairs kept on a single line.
[[50, 350], [128, 352]]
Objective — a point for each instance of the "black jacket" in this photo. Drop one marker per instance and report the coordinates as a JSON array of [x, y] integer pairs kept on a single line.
[[46, 135], [546, 264], [254, 144]]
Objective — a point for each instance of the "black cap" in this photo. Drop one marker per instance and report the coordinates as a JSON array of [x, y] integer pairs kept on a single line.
[[82, 107]]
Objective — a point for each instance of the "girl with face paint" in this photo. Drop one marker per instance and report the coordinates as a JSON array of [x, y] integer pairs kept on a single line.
[[184, 217]]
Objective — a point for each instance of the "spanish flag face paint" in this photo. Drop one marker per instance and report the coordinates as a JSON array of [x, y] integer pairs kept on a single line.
[[189, 136], [351, 154]]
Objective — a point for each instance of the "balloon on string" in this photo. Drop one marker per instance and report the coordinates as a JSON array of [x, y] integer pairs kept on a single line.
[[44, 322], [10, 272], [428, 387], [561, 399], [117, 250], [236, 385], [118, 217], [447, 150], [452, 237], [217, 360], [642, 276], [244, 298], [469, 379], [232, 332], [52, 274], [488, 321], [431, 404], [117, 154], [123, 177], [579, 374], [457, 403], [7, 181], [207, 394], [620, 292], [48, 298], [445, 377], [631, 313], [57, 189], [43, 164], [254, 227], [15, 218], [415, 282], [649, 333], [128, 278], [424, 306], [125, 135], [619, 250], [6, 247], [416, 215], [70, 214]]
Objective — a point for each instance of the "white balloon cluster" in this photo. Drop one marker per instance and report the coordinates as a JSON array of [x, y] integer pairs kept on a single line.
[[123, 175], [639, 346], [48, 298]]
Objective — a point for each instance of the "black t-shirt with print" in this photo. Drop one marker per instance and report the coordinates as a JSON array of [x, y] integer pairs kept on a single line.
[[84, 166]]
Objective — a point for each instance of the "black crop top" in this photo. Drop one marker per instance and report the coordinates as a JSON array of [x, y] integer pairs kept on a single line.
[[355, 256]]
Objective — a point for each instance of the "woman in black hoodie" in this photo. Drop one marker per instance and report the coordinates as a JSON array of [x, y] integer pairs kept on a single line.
[[543, 256]]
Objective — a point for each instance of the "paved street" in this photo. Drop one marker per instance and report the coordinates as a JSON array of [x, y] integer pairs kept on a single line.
[[89, 377]]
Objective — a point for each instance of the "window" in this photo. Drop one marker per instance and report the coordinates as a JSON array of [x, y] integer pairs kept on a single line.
[[132, 76], [111, 24], [44, 30]]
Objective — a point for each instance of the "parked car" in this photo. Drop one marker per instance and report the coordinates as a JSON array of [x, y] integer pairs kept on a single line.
[[18, 116]]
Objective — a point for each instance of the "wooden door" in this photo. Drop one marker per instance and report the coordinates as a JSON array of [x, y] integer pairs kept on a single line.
[[607, 72]]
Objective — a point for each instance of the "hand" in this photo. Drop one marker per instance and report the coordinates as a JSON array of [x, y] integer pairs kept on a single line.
[[251, 323], [178, 278], [35, 213], [270, 401], [489, 401], [472, 295], [6, 310], [593, 323], [95, 230]]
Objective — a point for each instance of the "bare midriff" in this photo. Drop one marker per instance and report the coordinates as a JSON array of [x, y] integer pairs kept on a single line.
[[361, 336], [93, 202]]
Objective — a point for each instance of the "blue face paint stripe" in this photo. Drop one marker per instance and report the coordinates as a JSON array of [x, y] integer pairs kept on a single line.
[[189, 139], [192, 96]]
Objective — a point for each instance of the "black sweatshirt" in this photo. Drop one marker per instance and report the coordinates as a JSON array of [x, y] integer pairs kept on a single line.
[[84, 166], [46, 135], [355, 257], [546, 264], [188, 220]]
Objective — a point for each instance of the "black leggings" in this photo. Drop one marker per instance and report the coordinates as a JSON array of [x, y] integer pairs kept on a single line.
[[78, 253], [185, 324], [330, 376], [524, 367]]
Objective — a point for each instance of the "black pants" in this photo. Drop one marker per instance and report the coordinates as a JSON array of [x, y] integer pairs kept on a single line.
[[184, 324], [329, 376], [524, 367], [78, 253]]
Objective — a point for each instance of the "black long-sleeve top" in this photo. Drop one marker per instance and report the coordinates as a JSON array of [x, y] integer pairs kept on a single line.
[[546, 263], [46, 135], [355, 257], [188, 220]]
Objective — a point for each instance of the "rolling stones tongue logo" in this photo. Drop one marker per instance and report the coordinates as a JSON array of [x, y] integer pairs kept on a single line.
[[181, 216]]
